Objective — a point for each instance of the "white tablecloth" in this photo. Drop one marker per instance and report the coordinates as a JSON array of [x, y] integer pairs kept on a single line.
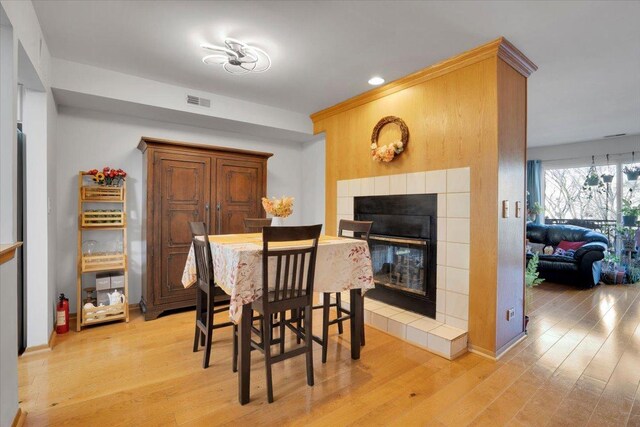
[[341, 264]]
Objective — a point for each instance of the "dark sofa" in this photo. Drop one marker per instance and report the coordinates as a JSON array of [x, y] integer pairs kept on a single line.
[[582, 269]]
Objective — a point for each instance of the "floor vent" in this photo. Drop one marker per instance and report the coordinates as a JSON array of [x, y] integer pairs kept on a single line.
[[196, 100]]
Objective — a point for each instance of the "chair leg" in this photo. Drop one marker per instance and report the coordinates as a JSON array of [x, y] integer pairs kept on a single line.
[[266, 327], [362, 333], [299, 317], [339, 310], [234, 366], [207, 345], [282, 317], [326, 302], [308, 337], [198, 334]]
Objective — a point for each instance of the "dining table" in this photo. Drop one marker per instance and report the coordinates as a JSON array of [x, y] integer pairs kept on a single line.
[[341, 264]]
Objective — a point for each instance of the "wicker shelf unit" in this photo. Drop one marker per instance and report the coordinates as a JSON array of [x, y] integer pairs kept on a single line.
[[94, 219]]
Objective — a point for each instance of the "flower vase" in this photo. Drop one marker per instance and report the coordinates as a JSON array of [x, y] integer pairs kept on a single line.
[[277, 221]]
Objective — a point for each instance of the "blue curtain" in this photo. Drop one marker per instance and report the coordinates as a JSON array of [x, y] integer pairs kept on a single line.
[[534, 185]]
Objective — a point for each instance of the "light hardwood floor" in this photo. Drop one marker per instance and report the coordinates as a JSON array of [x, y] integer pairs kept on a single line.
[[580, 365]]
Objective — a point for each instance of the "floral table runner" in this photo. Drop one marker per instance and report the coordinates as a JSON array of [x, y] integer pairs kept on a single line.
[[341, 264]]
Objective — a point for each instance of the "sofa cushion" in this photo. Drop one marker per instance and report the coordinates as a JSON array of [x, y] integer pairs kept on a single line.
[[564, 245]]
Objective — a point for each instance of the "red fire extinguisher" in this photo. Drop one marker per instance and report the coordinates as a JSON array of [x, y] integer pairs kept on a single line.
[[62, 315]]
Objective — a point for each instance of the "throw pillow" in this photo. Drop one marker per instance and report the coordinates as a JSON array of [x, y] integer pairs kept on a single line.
[[559, 252], [548, 250], [570, 245]]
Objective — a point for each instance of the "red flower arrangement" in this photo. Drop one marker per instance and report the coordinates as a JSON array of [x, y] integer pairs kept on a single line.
[[108, 176]]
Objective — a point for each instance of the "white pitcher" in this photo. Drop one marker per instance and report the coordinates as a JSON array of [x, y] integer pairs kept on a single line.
[[116, 298]]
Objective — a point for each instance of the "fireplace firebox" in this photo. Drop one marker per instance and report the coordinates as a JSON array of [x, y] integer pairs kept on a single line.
[[403, 244]]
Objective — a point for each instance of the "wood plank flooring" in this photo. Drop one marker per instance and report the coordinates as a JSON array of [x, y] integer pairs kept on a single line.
[[580, 365]]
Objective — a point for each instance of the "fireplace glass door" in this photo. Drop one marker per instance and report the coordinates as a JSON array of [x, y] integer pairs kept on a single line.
[[400, 263]]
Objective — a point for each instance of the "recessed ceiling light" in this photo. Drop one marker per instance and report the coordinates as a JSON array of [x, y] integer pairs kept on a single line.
[[375, 81]]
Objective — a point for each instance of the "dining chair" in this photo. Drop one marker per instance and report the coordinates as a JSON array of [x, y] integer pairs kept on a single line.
[[255, 225], [205, 293], [293, 281], [358, 230]]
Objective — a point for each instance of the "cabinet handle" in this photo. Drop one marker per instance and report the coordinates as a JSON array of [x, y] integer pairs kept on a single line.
[[206, 217], [218, 218]]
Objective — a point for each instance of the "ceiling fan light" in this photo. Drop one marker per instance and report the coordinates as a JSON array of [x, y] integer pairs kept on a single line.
[[237, 57], [215, 59]]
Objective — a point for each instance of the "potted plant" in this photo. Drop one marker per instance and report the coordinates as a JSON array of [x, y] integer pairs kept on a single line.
[[592, 180], [534, 211], [531, 279], [630, 213], [607, 178], [632, 172], [628, 237]]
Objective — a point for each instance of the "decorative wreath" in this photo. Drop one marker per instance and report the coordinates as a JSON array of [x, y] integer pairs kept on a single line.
[[386, 153]]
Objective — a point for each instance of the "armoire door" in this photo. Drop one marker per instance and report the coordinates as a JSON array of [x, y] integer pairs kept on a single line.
[[183, 184], [239, 191]]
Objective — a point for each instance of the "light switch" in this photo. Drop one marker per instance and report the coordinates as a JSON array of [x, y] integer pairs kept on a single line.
[[505, 209]]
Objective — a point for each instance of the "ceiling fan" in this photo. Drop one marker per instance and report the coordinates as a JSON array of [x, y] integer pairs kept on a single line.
[[237, 57]]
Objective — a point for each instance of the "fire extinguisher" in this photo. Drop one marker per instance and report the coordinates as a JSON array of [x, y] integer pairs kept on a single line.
[[62, 315]]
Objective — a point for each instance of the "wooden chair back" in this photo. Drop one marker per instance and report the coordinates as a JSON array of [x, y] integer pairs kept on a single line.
[[198, 229], [360, 229], [255, 225], [204, 265], [295, 267]]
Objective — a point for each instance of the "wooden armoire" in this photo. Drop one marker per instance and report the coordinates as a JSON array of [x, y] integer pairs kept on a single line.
[[191, 182]]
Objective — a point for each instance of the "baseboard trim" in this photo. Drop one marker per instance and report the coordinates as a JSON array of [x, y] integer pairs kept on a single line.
[[482, 352], [508, 346], [52, 338], [18, 420]]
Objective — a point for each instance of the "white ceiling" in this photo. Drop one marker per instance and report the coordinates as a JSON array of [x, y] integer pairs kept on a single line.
[[588, 53]]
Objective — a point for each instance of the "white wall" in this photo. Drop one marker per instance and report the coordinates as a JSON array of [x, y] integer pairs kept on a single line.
[[313, 181], [584, 150], [89, 139], [8, 272]]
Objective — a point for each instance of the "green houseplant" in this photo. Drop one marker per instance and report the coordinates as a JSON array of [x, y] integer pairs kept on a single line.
[[531, 278], [632, 172], [534, 210], [630, 213]]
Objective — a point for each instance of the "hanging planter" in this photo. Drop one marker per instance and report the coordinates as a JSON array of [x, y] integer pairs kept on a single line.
[[607, 178], [592, 180], [632, 172]]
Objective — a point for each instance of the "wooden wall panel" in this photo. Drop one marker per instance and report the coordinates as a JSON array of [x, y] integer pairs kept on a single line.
[[512, 144], [453, 120]]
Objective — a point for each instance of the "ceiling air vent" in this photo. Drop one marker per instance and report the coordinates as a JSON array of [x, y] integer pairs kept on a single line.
[[196, 100]]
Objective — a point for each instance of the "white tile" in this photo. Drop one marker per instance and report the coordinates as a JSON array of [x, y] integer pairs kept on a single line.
[[343, 188], [367, 316], [425, 324], [457, 323], [398, 184], [441, 253], [441, 277], [354, 187], [381, 185], [397, 329], [440, 317], [347, 233], [405, 317], [417, 336], [442, 205], [416, 183], [345, 205], [458, 230], [439, 345], [459, 345], [447, 332], [441, 300], [436, 181], [458, 180], [370, 304], [458, 205], [379, 321], [442, 229], [457, 280], [457, 305], [457, 255], [367, 187], [386, 311]]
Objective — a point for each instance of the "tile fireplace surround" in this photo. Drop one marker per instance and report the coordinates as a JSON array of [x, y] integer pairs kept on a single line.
[[447, 334]]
